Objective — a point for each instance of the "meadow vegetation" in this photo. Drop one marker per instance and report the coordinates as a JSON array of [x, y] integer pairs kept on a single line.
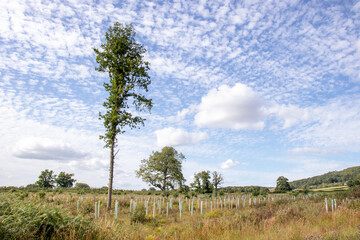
[[69, 215]]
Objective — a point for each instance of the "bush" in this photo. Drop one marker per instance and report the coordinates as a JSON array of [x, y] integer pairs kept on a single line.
[[166, 194], [139, 215], [354, 192], [29, 220], [221, 193], [42, 195], [81, 186]]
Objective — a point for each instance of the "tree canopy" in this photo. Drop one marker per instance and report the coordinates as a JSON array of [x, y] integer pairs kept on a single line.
[[163, 169], [202, 183], [282, 184], [65, 180], [217, 180], [328, 179], [122, 58], [46, 179], [81, 186]]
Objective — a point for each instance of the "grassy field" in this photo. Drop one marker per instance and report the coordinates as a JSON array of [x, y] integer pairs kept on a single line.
[[71, 216]]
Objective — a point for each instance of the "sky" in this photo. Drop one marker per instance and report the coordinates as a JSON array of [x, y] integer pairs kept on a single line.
[[252, 89]]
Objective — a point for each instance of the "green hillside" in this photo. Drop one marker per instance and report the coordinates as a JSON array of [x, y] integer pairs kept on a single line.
[[335, 178]]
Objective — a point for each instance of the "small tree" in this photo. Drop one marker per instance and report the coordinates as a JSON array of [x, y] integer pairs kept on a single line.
[[162, 169], [122, 57], [217, 180], [282, 184], [65, 180], [46, 179]]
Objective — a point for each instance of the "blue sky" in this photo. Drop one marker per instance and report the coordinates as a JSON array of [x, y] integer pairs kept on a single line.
[[252, 89]]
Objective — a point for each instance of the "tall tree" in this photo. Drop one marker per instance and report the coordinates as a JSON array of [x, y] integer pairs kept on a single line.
[[46, 179], [202, 182], [65, 180], [196, 184], [282, 184], [122, 57], [205, 182], [162, 169], [217, 180]]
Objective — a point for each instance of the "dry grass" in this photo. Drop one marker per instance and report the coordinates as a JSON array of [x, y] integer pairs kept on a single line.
[[281, 219]]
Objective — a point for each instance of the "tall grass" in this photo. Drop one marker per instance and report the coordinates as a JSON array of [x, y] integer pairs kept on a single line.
[[27, 216]]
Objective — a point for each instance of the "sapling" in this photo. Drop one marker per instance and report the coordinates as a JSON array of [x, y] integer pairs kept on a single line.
[[326, 205], [99, 209], [154, 209], [116, 209]]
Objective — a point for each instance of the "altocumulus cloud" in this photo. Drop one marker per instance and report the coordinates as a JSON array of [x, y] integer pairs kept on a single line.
[[237, 107], [46, 149], [175, 136]]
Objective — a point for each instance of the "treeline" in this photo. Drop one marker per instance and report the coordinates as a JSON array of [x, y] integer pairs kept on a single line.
[[255, 190], [334, 178]]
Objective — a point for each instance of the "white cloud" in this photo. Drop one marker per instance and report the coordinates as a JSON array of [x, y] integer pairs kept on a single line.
[[175, 137], [237, 107], [229, 164], [290, 115], [181, 115], [46, 149], [314, 151]]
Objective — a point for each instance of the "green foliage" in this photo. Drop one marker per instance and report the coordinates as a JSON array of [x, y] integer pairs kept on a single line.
[[41, 195], [221, 193], [46, 179], [81, 186], [217, 180], [246, 189], [139, 214], [202, 183], [256, 193], [354, 192], [282, 185], [65, 180], [166, 194], [193, 194], [29, 220], [335, 178], [122, 57], [162, 169]]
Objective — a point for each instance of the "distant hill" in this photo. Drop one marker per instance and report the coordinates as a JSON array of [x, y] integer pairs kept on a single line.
[[335, 178]]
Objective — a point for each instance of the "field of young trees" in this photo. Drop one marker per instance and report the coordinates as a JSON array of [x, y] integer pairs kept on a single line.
[[61, 214]]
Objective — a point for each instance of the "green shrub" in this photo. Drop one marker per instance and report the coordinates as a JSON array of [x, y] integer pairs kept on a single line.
[[81, 186], [139, 215], [41, 195], [221, 193], [29, 220]]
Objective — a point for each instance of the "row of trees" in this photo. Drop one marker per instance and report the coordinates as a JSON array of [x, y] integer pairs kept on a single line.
[[48, 179], [163, 170], [203, 184]]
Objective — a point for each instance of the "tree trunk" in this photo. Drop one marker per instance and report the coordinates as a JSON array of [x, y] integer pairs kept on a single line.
[[111, 175]]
